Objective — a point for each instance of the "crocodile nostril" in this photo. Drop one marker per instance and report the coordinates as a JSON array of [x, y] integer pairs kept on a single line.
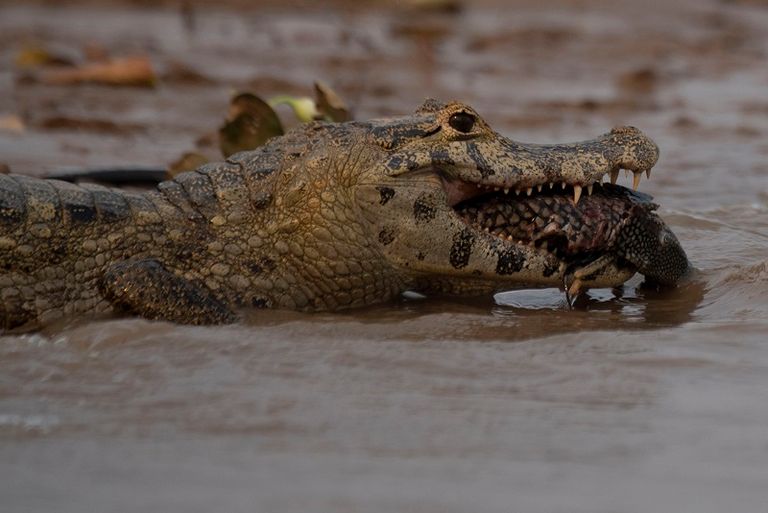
[[462, 122]]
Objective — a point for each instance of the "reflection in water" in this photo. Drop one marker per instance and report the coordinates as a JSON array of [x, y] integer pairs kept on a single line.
[[634, 400]]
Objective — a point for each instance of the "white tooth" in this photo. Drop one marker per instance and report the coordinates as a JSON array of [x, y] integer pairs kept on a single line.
[[636, 180], [495, 189], [506, 190], [648, 173], [550, 228], [538, 187], [529, 190], [551, 184], [576, 194], [614, 176], [589, 190], [563, 184], [517, 192]]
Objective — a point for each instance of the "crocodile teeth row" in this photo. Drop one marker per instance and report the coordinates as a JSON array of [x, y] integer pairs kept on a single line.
[[577, 189]]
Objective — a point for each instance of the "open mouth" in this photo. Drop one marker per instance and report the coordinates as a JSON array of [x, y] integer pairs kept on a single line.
[[578, 229]]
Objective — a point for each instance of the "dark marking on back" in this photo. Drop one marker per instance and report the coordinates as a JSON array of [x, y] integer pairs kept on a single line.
[[13, 204], [174, 192], [138, 203], [386, 194], [110, 205], [423, 211], [510, 261], [386, 236], [461, 249], [76, 202], [199, 189], [40, 193]]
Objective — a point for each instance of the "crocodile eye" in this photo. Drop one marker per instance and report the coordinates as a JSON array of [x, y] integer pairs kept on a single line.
[[462, 122]]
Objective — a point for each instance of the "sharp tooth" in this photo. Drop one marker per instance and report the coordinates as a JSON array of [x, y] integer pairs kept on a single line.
[[614, 176], [636, 180], [576, 194], [506, 190], [648, 173], [589, 190], [563, 184], [538, 187], [529, 190], [626, 173], [550, 228], [517, 192], [551, 184]]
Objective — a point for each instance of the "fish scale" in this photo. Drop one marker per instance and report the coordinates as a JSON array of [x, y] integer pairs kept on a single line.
[[593, 223]]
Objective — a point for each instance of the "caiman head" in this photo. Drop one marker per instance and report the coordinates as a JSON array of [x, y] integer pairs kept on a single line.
[[458, 208]]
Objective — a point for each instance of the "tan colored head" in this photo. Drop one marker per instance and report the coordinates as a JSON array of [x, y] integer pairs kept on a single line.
[[442, 173]]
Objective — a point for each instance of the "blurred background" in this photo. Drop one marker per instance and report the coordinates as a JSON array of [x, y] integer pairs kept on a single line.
[[635, 403]]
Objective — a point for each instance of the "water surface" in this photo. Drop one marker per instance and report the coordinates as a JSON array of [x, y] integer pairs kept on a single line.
[[635, 401]]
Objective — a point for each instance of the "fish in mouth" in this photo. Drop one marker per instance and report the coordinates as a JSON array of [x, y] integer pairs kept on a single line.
[[586, 228], [504, 214]]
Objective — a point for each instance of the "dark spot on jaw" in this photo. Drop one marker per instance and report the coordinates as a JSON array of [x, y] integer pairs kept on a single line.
[[461, 249], [386, 236], [394, 163], [441, 157], [387, 193], [510, 261], [423, 211], [477, 157]]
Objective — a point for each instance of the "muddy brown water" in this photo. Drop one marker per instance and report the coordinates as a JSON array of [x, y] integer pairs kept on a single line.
[[632, 402]]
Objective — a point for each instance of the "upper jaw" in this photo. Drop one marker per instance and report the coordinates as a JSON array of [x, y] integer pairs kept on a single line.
[[528, 168]]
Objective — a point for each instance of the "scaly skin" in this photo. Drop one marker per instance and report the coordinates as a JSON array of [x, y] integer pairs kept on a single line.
[[329, 216]]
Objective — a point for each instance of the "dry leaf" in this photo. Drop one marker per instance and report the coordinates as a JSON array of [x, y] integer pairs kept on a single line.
[[250, 123], [33, 56], [330, 105], [126, 71], [11, 123]]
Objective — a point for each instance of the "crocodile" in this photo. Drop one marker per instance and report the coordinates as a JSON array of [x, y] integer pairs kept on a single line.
[[337, 215]]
